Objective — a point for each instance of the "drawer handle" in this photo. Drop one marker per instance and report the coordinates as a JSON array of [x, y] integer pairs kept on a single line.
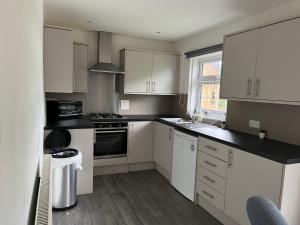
[[210, 164], [209, 179], [230, 158], [207, 194], [211, 148]]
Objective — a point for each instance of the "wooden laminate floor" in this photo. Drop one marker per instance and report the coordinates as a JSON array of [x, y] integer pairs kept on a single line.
[[137, 198]]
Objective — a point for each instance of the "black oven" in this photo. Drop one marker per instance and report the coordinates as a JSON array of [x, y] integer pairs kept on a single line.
[[110, 140]]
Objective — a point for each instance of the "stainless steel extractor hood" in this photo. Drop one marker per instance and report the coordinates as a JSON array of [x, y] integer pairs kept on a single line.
[[104, 64]]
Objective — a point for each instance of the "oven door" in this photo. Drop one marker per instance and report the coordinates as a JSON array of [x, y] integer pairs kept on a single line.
[[110, 143]]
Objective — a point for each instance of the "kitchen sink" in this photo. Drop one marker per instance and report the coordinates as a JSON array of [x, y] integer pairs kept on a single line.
[[196, 125], [177, 120], [187, 123]]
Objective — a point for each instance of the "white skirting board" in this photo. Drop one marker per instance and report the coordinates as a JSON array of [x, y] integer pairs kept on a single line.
[[122, 168], [163, 172], [44, 202]]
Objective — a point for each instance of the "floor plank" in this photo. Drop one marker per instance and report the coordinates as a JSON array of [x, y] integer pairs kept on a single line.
[[137, 198]]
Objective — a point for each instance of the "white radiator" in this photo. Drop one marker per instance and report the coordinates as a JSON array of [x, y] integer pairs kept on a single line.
[[44, 202]]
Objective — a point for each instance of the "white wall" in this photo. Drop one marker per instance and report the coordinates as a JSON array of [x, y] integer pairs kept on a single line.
[[215, 36], [22, 107]]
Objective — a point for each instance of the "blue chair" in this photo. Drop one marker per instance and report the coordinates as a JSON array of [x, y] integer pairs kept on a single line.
[[261, 211]]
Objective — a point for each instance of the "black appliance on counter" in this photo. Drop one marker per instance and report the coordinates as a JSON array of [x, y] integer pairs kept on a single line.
[[57, 110], [110, 135]]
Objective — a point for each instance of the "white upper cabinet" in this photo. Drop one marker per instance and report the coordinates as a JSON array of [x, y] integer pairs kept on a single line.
[[249, 176], [262, 64], [277, 69], [149, 73], [239, 61], [164, 74], [138, 69], [58, 60], [80, 67]]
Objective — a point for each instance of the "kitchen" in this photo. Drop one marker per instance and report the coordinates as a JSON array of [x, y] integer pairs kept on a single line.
[[158, 124]]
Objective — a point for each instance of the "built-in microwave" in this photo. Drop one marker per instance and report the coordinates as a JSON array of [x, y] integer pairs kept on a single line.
[[63, 110]]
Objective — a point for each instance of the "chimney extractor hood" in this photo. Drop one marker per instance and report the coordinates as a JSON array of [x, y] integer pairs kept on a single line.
[[104, 64]]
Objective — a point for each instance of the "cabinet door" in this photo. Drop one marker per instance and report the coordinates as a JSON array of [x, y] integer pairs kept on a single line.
[[164, 74], [278, 62], [184, 164], [162, 146], [238, 66], [248, 176], [80, 67], [58, 60], [140, 142], [138, 69]]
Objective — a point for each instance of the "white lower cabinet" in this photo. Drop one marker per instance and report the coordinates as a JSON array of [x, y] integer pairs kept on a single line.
[[210, 195], [184, 164], [162, 148], [250, 175], [227, 177], [212, 164], [83, 141], [140, 142]]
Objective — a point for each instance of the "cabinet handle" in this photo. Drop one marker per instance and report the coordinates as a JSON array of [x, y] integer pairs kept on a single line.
[[257, 87], [153, 86], [249, 87], [131, 128], [148, 86], [211, 148], [170, 134], [207, 194], [210, 163], [230, 158], [209, 179], [192, 147]]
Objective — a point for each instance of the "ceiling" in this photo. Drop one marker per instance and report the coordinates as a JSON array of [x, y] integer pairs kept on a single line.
[[175, 19]]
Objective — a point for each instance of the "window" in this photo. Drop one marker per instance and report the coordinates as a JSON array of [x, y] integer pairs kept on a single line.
[[205, 73]]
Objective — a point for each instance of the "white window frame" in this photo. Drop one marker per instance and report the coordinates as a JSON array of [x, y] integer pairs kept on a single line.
[[196, 79]]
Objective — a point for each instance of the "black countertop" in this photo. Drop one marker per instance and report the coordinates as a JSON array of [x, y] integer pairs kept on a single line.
[[79, 123], [274, 150]]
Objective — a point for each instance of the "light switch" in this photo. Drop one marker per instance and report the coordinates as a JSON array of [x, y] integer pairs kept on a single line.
[[254, 124], [124, 104]]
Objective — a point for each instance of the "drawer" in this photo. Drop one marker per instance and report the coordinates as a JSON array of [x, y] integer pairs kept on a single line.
[[216, 182], [212, 164], [213, 148], [211, 195]]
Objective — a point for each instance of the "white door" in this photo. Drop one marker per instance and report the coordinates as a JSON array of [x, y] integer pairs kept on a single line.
[[80, 67], [140, 139], [278, 62], [238, 66], [184, 164], [164, 74], [138, 69], [58, 60], [162, 146], [248, 176]]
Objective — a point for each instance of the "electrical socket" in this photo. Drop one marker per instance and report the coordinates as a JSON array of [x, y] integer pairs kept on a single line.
[[124, 105], [254, 124]]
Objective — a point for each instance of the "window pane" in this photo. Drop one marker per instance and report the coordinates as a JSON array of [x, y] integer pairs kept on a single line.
[[212, 68], [210, 98]]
